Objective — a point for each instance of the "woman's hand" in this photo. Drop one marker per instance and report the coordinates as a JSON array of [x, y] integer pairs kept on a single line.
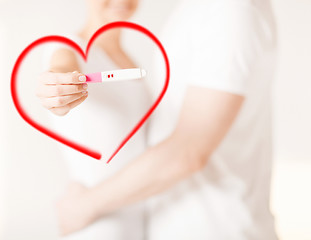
[[60, 92], [75, 209]]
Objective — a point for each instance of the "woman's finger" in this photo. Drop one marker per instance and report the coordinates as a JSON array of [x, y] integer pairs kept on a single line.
[[61, 111], [77, 102], [61, 101], [60, 90], [62, 78]]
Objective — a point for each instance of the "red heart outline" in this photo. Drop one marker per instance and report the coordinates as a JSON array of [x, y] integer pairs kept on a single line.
[[61, 39]]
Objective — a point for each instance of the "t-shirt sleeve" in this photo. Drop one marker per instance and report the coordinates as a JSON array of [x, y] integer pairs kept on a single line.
[[225, 48]]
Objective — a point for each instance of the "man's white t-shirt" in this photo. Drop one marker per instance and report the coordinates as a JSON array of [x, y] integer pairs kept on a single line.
[[227, 45]]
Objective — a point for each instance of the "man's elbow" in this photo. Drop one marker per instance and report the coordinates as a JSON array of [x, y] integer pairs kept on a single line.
[[190, 156], [195, 161], [193, 158]]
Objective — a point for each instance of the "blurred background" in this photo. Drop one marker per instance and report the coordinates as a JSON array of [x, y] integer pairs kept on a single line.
[[32, 174]]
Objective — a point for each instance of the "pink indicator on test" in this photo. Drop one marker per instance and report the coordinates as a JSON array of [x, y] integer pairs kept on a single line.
[[94, 77]]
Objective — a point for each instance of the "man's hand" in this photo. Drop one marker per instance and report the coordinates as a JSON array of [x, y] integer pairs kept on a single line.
[[75, 209]]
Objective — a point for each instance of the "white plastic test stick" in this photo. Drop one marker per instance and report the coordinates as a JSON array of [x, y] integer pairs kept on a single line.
[[116, 75]]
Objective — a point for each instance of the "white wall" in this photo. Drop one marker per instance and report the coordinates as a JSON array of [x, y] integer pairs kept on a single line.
[[291, 196], [293, 88], [31, 172]]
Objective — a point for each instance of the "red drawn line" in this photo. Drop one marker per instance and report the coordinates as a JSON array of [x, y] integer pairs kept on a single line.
[[61, 39]]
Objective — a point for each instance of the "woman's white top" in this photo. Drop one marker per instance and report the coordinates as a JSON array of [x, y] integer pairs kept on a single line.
[[101, 122], [227, 45]]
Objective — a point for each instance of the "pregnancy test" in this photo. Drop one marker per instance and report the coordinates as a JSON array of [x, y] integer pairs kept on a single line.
[[116, 75]]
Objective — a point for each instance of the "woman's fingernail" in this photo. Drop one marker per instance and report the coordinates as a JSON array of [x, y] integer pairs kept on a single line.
[[84, 85], [84, 93], [75, 72], [82, 78]]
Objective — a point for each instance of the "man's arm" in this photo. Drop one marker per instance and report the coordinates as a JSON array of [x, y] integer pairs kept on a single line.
[[205, 118]]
